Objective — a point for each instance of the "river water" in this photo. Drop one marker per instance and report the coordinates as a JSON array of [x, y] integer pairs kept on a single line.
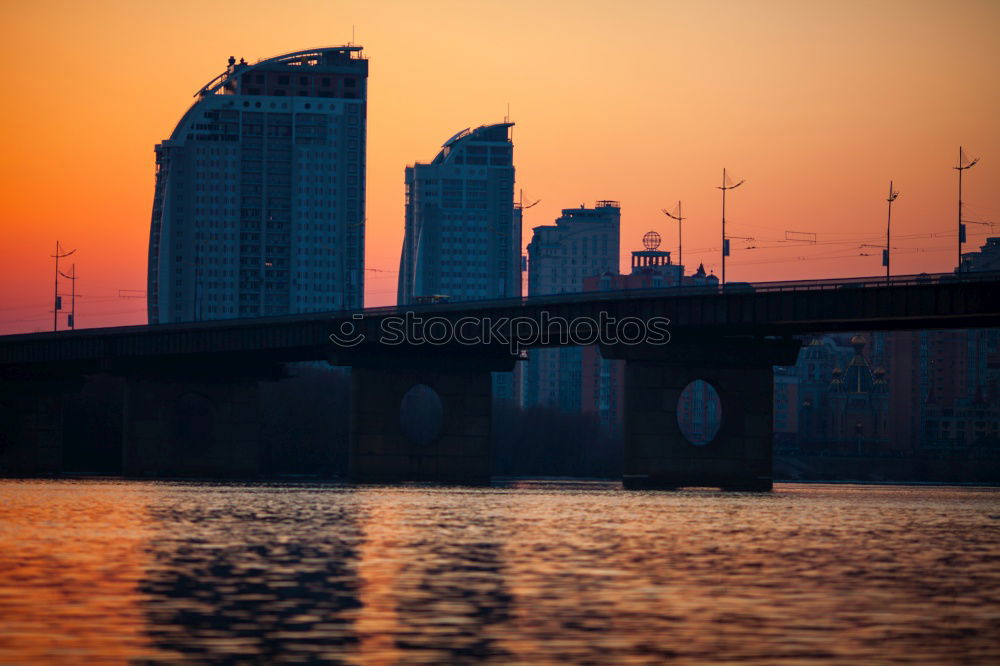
[[104, 571]]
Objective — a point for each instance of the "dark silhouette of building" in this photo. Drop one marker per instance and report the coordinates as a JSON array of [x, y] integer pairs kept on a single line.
[[259, 204], [858, 406], [462, 238], [945, 397], [986, 259], [582, 243]]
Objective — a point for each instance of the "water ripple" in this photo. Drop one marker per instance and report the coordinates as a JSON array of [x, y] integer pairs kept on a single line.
[[538, 573]]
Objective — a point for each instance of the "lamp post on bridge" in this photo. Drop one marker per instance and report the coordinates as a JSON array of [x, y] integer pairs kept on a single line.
[[727, 184], [680, 246], [888, 248], [71, 319], [963, 164], [57, 301]]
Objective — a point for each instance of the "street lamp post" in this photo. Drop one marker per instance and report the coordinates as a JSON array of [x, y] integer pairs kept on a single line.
[[680, 245], [962, 166], [888, 249], [56, 304], [726, 185]]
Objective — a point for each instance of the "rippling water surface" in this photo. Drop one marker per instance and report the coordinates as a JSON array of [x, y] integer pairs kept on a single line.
[[583, 573]]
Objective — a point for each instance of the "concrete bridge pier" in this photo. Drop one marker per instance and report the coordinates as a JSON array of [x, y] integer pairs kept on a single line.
[[422, 416], [32, 424], [207, 426], [739, 457]]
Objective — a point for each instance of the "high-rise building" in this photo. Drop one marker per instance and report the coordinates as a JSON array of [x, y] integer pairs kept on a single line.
[[583, 242], [259, 204], [462, 238]]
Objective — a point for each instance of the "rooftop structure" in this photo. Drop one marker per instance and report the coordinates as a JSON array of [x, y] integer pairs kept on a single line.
[[583, 242], [986, 259], [323, 72]]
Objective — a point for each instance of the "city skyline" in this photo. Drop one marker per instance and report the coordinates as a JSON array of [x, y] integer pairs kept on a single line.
[[644, 106]]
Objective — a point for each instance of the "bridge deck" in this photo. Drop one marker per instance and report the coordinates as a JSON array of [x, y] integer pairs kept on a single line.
[[775, 309]]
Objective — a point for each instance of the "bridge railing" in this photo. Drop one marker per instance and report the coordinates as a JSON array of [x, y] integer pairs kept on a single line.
[[922, 279], [596, 296]]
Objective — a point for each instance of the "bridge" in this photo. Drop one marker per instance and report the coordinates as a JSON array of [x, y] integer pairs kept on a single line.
[[730, 337]]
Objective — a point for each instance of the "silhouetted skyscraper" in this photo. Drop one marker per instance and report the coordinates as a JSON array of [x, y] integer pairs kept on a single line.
[[462, 240], [583, 242], [259, 205]]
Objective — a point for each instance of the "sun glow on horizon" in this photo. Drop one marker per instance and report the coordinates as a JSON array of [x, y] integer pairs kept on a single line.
[[640, 102]]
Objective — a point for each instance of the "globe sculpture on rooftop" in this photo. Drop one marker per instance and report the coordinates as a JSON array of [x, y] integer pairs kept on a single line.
[[651, 241]]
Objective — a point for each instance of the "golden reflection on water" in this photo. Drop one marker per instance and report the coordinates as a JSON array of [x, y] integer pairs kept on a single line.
[[433, 584], [69, 592], [539, 573], [379, 568]]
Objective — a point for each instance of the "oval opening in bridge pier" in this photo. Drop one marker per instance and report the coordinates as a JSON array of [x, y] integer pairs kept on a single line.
[[699, 412], [421, 415]]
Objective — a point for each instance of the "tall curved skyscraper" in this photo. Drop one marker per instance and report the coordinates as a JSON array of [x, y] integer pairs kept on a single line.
[[463, 235], [259, 205]]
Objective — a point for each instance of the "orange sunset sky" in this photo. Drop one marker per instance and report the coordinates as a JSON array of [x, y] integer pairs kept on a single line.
[[817, 104]]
